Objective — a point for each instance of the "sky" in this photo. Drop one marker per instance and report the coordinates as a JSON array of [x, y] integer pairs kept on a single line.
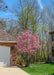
[[11, 3]]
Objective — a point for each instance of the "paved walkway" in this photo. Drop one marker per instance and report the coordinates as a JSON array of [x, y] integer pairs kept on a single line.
[[12, 71]]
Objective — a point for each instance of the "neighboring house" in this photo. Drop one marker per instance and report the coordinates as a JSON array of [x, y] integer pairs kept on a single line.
[[52, 45], [8, 52]]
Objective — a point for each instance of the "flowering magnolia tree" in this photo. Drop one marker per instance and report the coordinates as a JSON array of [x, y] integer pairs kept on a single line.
[[27, 44]]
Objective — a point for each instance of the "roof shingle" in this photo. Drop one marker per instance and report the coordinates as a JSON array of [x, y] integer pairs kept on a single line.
[[4, 36]]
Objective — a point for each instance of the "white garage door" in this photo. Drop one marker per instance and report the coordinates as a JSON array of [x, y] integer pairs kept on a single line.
[[4, 56]]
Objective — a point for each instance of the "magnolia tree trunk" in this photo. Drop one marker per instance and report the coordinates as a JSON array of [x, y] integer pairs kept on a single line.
[[27, 63], [26, 59]]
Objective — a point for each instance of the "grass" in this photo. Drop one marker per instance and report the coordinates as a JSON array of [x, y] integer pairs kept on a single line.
[[40, 69]]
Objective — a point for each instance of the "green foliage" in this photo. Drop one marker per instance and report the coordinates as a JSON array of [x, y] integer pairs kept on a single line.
[[20, 61], [44, 27], [27, 19]]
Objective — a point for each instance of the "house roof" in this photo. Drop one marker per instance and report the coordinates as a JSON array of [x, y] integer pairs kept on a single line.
[[51, 32], [4, 36]]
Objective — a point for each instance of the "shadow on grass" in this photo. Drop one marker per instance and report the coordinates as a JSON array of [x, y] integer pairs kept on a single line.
[[52, 63], [42, 74], [51, 74]]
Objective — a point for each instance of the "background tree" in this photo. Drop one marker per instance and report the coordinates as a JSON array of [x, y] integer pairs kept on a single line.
[[12, 28], [27, 15], [3, 24], [47, 18], [3, 6]]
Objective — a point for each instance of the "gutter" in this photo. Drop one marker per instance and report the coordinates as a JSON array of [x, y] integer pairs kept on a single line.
[[8, 41]]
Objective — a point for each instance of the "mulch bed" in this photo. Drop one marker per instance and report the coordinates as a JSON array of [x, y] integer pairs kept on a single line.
[[25, 66]]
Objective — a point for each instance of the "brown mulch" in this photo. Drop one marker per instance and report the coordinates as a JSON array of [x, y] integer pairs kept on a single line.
[[27, 66]]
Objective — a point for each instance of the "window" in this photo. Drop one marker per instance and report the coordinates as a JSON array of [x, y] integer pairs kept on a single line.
[[52, 51], [52, 37]]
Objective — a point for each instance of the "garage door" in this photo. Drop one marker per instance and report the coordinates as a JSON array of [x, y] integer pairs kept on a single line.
[[4, 56]]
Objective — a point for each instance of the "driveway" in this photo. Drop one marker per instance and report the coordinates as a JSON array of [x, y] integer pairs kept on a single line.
[[12, 71]]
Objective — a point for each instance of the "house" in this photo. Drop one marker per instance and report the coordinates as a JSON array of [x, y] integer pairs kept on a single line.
[[8, 52], [52, 45]]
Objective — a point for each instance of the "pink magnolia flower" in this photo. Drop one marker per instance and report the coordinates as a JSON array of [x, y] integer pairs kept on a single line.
[[28, 43]]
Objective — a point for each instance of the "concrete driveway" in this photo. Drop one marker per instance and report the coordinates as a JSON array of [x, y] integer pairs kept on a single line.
[[12, 71]]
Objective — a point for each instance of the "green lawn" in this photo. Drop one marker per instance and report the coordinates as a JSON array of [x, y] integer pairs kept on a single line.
[[40, 69]]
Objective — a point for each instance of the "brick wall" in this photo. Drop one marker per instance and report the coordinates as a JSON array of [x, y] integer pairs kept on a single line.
[[13, 56], [13, 52]]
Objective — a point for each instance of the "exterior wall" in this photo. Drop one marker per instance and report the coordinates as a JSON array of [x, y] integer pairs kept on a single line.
[[13, 52], [13, 57], [52, 59], [52, 45]]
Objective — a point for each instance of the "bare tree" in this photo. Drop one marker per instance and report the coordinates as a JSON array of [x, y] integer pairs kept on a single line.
[[12, 28], [3, 24], [3, 6]]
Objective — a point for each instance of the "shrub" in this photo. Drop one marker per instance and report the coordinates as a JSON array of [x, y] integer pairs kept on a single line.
[[20, 61]]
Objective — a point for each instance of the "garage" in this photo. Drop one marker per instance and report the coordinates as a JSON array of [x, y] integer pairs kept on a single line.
[[4, 56], [8, 52]]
